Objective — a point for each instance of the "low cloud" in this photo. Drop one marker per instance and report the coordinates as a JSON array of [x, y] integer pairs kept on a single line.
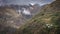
[[26, 12]]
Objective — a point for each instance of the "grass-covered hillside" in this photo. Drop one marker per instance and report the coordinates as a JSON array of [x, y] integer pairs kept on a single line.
[[45, 22]]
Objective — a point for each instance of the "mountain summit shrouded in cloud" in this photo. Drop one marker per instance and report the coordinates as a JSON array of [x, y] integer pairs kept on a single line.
[[25, 2]]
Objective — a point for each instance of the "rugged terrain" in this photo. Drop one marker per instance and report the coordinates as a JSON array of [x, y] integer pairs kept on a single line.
[[12, 16], [45, 22]]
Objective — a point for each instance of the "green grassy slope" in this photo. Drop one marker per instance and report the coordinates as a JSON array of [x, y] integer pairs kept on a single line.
[[46, 22]]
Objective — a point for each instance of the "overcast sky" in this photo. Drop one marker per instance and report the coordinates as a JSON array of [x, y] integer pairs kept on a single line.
[[25, 2]]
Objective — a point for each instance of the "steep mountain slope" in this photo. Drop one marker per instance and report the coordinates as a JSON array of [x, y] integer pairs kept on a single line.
[[17, 15], [46, 22], [12, 17]]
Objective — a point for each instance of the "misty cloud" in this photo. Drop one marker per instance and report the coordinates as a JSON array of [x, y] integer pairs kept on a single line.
[[26, 12]]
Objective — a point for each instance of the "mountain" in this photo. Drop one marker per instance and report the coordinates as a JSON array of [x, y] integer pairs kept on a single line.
[[47, 21], [12, 17], [16, 19]]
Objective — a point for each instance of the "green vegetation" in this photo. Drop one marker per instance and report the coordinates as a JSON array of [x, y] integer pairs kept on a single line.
[[43, 24], [46, 22]]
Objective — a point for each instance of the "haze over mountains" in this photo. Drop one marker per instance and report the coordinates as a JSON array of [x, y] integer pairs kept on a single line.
[[25, 2]]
